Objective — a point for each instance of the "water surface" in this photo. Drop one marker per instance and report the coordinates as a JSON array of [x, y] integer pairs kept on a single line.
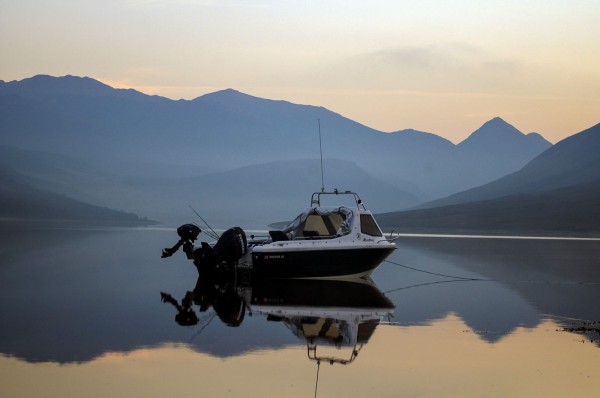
[[82, 315]]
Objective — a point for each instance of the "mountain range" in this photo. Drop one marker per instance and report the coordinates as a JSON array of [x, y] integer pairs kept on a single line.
[[559, 190], [129, 133], [237, 157]]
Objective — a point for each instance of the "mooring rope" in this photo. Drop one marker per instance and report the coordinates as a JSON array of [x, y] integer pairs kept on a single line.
[[466, 279], [435, 273]]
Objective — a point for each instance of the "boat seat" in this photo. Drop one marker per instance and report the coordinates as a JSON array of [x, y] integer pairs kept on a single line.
[[278, 236], [310, 234]]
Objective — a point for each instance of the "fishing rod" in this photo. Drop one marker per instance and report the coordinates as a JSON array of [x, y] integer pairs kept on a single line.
[[212, 233]]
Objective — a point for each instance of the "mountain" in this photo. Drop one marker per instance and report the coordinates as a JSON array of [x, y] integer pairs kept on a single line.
[[501, 135], [255, 195], [22, 201], [43, 87], [556, 193], [128, 133], [566, 211], [497, 148], [572, 161]]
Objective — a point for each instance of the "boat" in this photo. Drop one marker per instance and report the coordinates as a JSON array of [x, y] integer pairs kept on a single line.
[[321, 242]]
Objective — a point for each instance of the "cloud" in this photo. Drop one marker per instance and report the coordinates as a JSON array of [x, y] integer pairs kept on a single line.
[[439, 57], [452, 67]]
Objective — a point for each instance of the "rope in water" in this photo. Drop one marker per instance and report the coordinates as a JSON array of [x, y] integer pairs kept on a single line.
[[463, 278], [435, 273]]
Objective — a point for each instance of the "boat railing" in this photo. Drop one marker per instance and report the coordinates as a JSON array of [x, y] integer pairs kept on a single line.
[[316, 198], [311, 350], [279, 236], [316, 237], [393, 236]]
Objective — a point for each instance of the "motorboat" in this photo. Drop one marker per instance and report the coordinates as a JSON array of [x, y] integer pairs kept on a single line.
[[324, 241], [321, 242]]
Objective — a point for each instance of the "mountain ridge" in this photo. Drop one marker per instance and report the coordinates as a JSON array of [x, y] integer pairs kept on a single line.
[[566, 211], [556, 193], [570, 161], [131, 134], [22, 201], [168, 199]]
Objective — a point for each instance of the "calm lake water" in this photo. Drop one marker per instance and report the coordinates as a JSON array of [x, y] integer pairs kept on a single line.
[[82, 316]]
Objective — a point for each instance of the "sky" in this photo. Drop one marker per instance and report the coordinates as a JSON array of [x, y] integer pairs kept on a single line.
[[444, 67]]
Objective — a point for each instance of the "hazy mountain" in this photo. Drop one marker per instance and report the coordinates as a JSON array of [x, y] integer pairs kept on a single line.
[[256, 194], [574, 160], [570, 210], [127, 133], [498, 148], [501, 136], [557, 192], [21, 201]]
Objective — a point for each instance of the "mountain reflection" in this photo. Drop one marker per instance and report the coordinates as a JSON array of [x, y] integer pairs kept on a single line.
[[71, 296], [340, 313], [503, 284]]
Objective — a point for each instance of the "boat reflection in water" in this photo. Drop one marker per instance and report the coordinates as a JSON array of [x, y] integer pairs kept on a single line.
[[340, 313]]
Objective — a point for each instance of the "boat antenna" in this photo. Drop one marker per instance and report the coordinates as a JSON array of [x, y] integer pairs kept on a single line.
[[321, 151]]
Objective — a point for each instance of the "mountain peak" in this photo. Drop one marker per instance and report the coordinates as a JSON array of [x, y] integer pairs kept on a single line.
[[237, 100], [498, 126], [229, 91], [496, 121], [493, 132], [46, 86], [63, 85], [496, 140], [225, 94]]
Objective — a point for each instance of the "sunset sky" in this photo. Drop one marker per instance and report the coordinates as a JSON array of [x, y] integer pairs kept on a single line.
[[443, 67]]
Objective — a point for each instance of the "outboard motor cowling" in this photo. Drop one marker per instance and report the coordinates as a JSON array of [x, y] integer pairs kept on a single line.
[[232, 245], [188, 233]]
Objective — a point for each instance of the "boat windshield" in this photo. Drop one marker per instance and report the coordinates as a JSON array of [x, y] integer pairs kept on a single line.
[[318, 222]]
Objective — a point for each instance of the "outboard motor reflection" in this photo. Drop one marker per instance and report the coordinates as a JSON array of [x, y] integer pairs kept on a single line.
[[218, 293]]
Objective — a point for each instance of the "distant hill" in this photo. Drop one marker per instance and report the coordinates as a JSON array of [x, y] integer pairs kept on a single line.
[[574, 160], [558, 192], [127, 133], [262, 193], [570, 211], [499, 134], [255, 194], [497, 147], [20, 201], [68, 176]]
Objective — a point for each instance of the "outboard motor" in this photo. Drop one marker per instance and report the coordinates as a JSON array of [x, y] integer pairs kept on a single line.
[[188, 233], [230, 247]]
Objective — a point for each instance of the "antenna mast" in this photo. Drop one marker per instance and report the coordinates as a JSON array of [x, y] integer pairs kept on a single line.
[[321, 151]]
